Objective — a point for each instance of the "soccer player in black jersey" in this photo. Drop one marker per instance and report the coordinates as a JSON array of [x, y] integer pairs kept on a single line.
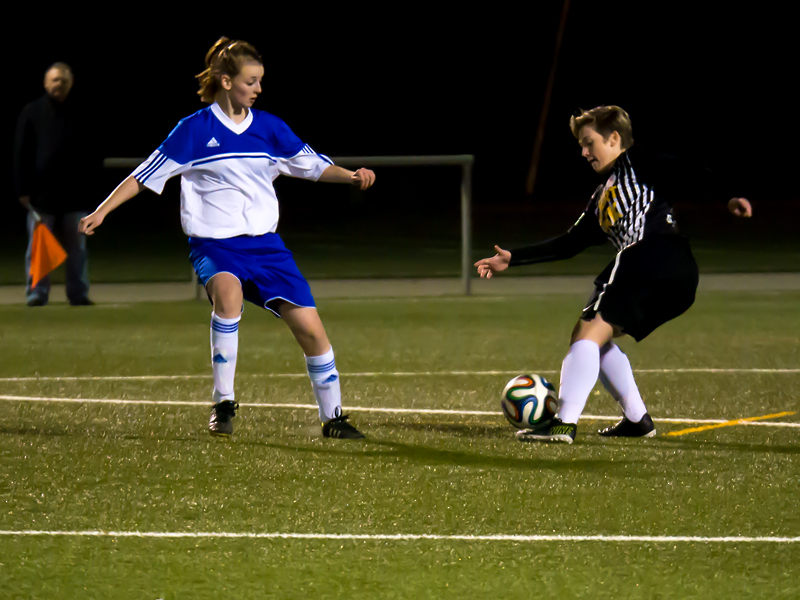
[[652, 280]]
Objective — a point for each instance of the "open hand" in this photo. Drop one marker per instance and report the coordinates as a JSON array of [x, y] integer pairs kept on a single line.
[[363, 178], [499, 262], [740, 207]]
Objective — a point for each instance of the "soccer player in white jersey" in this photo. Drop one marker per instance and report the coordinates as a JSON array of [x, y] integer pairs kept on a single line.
[[228, 155], [653, 278]]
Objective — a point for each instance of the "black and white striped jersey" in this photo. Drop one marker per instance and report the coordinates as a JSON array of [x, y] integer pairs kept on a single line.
[[623, 203], [634, 202]]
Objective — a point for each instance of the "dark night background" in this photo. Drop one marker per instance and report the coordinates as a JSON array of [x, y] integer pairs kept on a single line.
[[711, 85]]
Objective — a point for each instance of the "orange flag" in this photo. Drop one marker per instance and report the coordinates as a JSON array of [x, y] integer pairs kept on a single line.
[[46, 253]]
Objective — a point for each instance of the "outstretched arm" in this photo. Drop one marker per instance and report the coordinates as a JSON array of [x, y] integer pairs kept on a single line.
[[362, 178], [677, 177], [584, 233], [124, 192]]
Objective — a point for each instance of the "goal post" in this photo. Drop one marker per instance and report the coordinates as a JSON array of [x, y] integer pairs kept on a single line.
[[465, 161]]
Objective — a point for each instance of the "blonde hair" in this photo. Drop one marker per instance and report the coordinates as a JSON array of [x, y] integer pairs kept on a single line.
[[605, 120], [225, 57]]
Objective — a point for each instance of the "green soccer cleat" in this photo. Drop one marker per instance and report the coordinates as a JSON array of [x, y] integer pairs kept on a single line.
[[628, 428], [222, 414], [554, 430], [340, 428]]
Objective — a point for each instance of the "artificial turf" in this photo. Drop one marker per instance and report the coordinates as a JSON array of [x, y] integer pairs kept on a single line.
[[152, 468]]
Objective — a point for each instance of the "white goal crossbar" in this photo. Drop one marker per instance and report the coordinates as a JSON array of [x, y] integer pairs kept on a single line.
[[465, 161]]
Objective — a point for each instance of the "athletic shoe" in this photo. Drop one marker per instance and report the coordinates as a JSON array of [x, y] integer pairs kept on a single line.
[[627, 428], [340, 428], [81, 302], [221, 414], [552, 431], [35, 300]]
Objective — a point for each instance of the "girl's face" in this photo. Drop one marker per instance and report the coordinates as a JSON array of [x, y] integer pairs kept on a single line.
[[600, 153], [246, 86]]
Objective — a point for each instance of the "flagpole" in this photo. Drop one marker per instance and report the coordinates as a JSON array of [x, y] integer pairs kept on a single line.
[[36, 216], [46, 252]]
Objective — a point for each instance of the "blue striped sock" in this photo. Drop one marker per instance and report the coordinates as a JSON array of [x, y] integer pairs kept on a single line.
[[224, 351], [325, 383]]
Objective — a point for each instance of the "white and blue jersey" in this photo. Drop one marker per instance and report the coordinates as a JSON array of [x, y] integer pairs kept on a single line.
[[227, 170]]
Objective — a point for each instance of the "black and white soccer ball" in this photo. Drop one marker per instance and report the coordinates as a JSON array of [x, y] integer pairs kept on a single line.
[[529, 400]]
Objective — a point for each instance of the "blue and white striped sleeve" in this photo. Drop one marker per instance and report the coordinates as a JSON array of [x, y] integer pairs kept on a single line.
[[295, 158], [306, 164], [154, 172], [171, 158]]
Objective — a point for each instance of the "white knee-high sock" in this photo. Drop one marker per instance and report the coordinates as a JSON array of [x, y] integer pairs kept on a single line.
[[325, 383], [617, 377], [224, 349], [578, 375]]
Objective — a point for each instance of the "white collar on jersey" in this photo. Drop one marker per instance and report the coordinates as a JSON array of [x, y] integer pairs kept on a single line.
[[236, 128]]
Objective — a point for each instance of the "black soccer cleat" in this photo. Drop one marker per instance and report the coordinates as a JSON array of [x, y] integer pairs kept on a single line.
[[627, 428], [340, 428], [222, 414], [554, 430]]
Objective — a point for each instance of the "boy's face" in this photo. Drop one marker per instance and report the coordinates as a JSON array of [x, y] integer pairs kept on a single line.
[[600, 153]]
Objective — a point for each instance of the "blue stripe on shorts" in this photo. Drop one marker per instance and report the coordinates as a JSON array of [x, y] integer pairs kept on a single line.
[[263, 265]]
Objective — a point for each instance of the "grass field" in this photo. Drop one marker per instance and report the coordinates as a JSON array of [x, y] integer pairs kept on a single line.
[[110, 485]]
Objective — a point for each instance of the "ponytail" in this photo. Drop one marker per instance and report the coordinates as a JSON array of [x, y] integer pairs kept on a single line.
[[225, 57]]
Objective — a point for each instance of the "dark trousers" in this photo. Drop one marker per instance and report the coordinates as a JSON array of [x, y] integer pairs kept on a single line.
[[77, 262]]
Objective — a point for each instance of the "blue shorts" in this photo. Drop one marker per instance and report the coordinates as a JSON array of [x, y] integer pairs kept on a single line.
[[262, 264]]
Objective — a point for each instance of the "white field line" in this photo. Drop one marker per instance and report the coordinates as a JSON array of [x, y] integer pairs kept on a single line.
[[375, 374], [422, 411], [414, 536]]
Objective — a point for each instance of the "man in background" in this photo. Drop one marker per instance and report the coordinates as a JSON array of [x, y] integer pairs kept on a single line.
[[51, 151]]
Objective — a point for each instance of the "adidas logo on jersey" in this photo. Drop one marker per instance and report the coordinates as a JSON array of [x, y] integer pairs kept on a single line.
[[212, 143]]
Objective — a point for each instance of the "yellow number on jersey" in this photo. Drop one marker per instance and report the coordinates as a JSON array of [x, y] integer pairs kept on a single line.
[[608, 208]]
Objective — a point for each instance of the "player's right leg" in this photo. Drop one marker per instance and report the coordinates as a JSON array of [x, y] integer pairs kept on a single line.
[[581, 366], [225, 292], [579, 373]]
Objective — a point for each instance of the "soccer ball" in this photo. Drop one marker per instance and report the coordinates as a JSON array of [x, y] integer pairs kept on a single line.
[[529, 400]]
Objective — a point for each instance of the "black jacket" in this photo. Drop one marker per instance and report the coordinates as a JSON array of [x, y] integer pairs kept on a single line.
[[55, 156]]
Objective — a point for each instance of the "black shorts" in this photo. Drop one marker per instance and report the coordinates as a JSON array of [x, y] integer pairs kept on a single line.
[[647, 285]]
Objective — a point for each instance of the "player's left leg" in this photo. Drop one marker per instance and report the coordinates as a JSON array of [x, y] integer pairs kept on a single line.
[[658, 283], [616, 376], [307, 328]]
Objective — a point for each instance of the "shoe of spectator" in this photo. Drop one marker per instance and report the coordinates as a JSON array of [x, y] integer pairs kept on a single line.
[[81, 302], [36, 300]]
